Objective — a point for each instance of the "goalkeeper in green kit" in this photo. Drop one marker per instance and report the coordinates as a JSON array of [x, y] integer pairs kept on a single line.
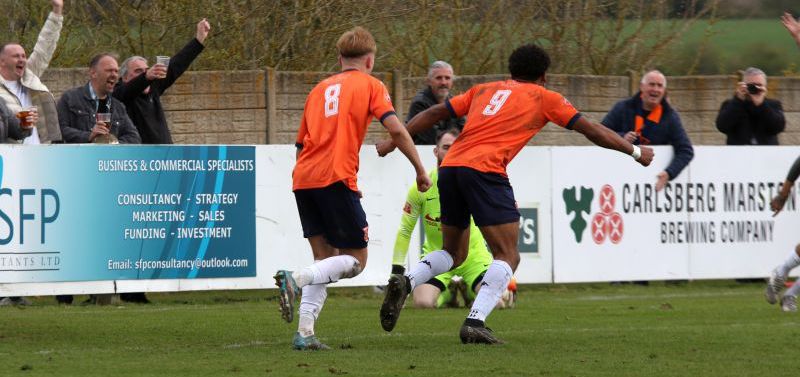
[[441, 290]]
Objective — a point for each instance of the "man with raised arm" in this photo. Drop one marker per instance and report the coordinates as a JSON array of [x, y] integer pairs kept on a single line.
[[140, 88], [20, 86]]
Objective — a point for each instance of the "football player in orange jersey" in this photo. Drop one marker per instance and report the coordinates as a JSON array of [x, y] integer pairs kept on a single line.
[[337, 113], [502, 117]]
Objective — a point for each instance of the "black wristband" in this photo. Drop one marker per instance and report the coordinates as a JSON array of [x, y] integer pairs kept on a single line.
[[398, 269]]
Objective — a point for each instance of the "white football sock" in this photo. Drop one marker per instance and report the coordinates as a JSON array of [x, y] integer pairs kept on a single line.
[[435, 263], [311, 303], [790, 263], [328, 270], [495, 281]]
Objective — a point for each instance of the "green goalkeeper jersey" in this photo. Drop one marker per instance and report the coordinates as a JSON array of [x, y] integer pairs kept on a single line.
[[426, 205]]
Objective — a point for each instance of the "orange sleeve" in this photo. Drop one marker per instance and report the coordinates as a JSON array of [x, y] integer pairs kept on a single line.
[[459, 105], [380, 103], [301, 133], [558, 110]]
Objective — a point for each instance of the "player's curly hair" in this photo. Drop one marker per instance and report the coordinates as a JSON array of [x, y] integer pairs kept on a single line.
[[528, 62]]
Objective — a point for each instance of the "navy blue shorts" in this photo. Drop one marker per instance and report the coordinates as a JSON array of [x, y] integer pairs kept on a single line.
[[464, 191], [335, 212]]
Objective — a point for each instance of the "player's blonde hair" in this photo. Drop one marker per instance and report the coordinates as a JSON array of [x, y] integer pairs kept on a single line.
[[356, 43]]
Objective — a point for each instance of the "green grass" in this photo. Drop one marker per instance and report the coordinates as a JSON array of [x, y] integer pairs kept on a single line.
[[703, 328], [736, 44]]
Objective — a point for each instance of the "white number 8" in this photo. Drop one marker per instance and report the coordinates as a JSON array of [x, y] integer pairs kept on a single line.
[[332, 100], [497, 101]]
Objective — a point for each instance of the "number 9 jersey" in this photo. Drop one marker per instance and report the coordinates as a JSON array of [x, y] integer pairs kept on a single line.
[[335, 119], [501, 117]]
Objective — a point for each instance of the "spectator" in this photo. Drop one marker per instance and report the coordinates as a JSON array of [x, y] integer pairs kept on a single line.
[[21, 87], [440, 82], [749, 118], [140, 90], [648, 119], [77, 114], [141, 87], [78, 107]]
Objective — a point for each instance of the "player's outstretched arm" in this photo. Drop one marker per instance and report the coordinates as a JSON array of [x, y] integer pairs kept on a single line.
[[402, 140], [792, 26], [419, 123], [602, 136]]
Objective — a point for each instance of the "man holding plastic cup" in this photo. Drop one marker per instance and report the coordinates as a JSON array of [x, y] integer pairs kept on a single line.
[[20, 86], [141, 86], [81, 110]]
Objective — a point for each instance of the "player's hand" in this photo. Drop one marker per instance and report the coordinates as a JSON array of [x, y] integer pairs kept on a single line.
[[631, 137], [647, 156], [385, 147], [777, 204], [661, 180], [423, 182], [791, 24]]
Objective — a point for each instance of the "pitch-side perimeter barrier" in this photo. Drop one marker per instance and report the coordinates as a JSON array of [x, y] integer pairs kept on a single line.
[[104, 219]]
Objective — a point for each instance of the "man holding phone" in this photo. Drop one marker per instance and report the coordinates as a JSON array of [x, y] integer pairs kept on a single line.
[[750, 118]]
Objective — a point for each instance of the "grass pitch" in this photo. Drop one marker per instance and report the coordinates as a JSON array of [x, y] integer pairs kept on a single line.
[[694, 329]]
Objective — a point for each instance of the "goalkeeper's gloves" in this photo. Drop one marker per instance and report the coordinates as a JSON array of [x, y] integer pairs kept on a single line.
[[398, 269]]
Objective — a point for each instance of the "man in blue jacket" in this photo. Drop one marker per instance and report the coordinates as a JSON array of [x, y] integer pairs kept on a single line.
[[648, 119]]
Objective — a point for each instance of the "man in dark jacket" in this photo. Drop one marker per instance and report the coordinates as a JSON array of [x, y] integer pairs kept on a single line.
[[78, 107], [440, 82], [648, 119], [141, 87], [749, 118]]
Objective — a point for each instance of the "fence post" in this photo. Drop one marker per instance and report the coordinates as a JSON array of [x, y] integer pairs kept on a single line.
[[270, 89], [633, 84], [397, 93]]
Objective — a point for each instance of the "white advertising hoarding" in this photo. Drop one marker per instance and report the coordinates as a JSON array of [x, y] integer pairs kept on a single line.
[[384, 183], [530, 174], [607, 217], [743, 237], [587, 214]]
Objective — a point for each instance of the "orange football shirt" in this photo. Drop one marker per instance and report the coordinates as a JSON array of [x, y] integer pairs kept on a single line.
[[501, 117], [335, 119]]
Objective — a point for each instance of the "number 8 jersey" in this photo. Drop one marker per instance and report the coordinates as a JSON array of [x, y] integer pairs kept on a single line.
[[335, 119], [501, 117]]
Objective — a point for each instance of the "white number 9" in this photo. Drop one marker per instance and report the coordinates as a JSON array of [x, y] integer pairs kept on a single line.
[[497, 101]]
